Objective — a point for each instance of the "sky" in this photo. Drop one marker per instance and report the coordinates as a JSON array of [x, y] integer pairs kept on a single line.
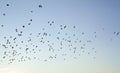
[[99, 20]]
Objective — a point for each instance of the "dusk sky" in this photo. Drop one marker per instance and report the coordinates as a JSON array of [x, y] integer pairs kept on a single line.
[[84, 36]]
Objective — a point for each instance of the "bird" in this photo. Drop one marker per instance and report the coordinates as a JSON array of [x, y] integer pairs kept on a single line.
[[7, 5], [40, 6], [29, 23], [31, 11], [16, 30], [118, 33], [23, 26], [2, 25], [4, 14], [73, 26], [31, 20]]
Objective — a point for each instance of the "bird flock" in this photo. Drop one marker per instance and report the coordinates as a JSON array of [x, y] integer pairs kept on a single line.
[[46, 46]]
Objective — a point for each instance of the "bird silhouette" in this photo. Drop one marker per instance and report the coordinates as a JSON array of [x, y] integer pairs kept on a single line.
[[7, 5], [40, 6]]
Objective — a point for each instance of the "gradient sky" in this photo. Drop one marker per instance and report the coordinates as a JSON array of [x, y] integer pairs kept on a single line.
[[87, 15]]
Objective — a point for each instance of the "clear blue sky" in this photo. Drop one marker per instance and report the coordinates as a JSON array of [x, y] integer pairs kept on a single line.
[[89, 16]]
